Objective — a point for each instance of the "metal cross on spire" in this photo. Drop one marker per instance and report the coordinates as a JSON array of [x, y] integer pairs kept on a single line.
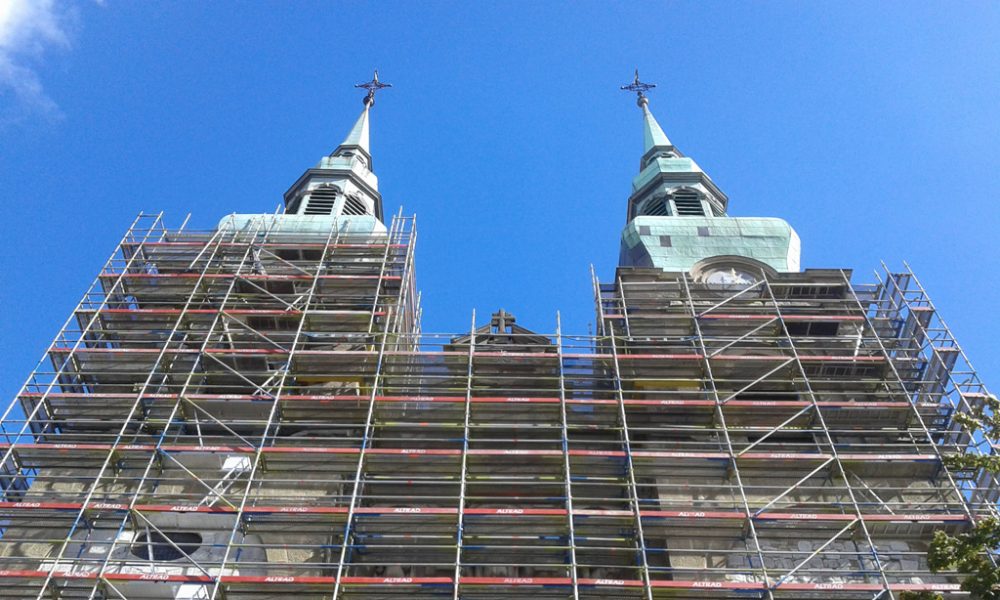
[[640, 89], [372, 86]]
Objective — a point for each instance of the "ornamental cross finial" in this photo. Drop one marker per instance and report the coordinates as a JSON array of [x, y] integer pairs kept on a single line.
[[640, 89], [372, 86], [501, 320]]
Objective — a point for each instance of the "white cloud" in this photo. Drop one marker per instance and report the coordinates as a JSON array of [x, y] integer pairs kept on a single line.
[[28, 29]]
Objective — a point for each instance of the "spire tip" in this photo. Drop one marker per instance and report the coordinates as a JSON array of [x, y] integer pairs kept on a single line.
[[640, 88], [372, 86]]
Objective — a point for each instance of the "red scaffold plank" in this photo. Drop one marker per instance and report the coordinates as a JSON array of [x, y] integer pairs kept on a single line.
[[627, 357], [397, 580], [608, 453], [249, 277], [665, 454], [889, 457], [417, 451], [711, 585], [517, 511], [930, 518], [548, 355], [515, 581], [278, 579], [869, 587], [283, 245], [41, 505], [229, 311], [611, 582], [925, 587], [487, 452], [681, 514], [761, 317], [164, 577], [374, 510]]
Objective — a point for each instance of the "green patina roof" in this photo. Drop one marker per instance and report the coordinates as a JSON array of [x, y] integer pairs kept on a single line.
[[652, 132], [358, 136], [771, 241], [681, 164], [302, 224], [675, 242]]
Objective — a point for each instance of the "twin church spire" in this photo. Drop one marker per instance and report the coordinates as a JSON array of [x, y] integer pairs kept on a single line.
[[676, 216]]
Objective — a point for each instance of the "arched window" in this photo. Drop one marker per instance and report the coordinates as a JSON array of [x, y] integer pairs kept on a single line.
[[688, 203], [656, 207], [354, 206], [322, 199]]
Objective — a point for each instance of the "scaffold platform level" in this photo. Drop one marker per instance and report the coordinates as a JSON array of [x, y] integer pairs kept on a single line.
[[247, 413]]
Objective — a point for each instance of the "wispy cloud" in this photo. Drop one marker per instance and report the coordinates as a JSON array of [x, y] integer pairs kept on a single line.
[[28, 30]]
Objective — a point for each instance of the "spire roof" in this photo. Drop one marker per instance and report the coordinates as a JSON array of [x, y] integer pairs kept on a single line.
[[653, 135], [358, 136]]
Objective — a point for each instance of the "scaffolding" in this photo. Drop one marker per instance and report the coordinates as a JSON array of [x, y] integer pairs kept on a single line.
[[248, 413]]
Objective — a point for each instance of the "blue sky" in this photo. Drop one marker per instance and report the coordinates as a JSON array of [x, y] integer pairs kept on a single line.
[[872, 127]]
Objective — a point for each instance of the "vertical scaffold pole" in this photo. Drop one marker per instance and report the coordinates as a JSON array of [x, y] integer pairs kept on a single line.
[[365, 440], [157, 452], [563, 421], [724, 428], [629, 466], [54, 379], [112, 452], [276, 400], [459, 532], [860, 518], [902, 392]]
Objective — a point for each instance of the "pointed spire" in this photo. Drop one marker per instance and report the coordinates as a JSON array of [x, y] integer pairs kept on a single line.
[[654, 140], [346, 175], [653, 135], [358, 136]]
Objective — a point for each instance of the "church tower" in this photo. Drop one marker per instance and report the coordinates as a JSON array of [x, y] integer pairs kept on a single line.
[[677, 216], [341, 190], [253, 411], [343, 183]]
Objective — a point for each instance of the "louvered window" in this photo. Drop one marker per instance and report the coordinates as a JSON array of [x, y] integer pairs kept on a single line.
[[657, 207], [321, 200], [354, 206], [688, 203]]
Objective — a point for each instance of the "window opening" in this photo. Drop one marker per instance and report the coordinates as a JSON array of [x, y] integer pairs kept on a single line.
[[321, 200], [812, 328], [688, 203], [154, 545], [657, 207], [354, 206]]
